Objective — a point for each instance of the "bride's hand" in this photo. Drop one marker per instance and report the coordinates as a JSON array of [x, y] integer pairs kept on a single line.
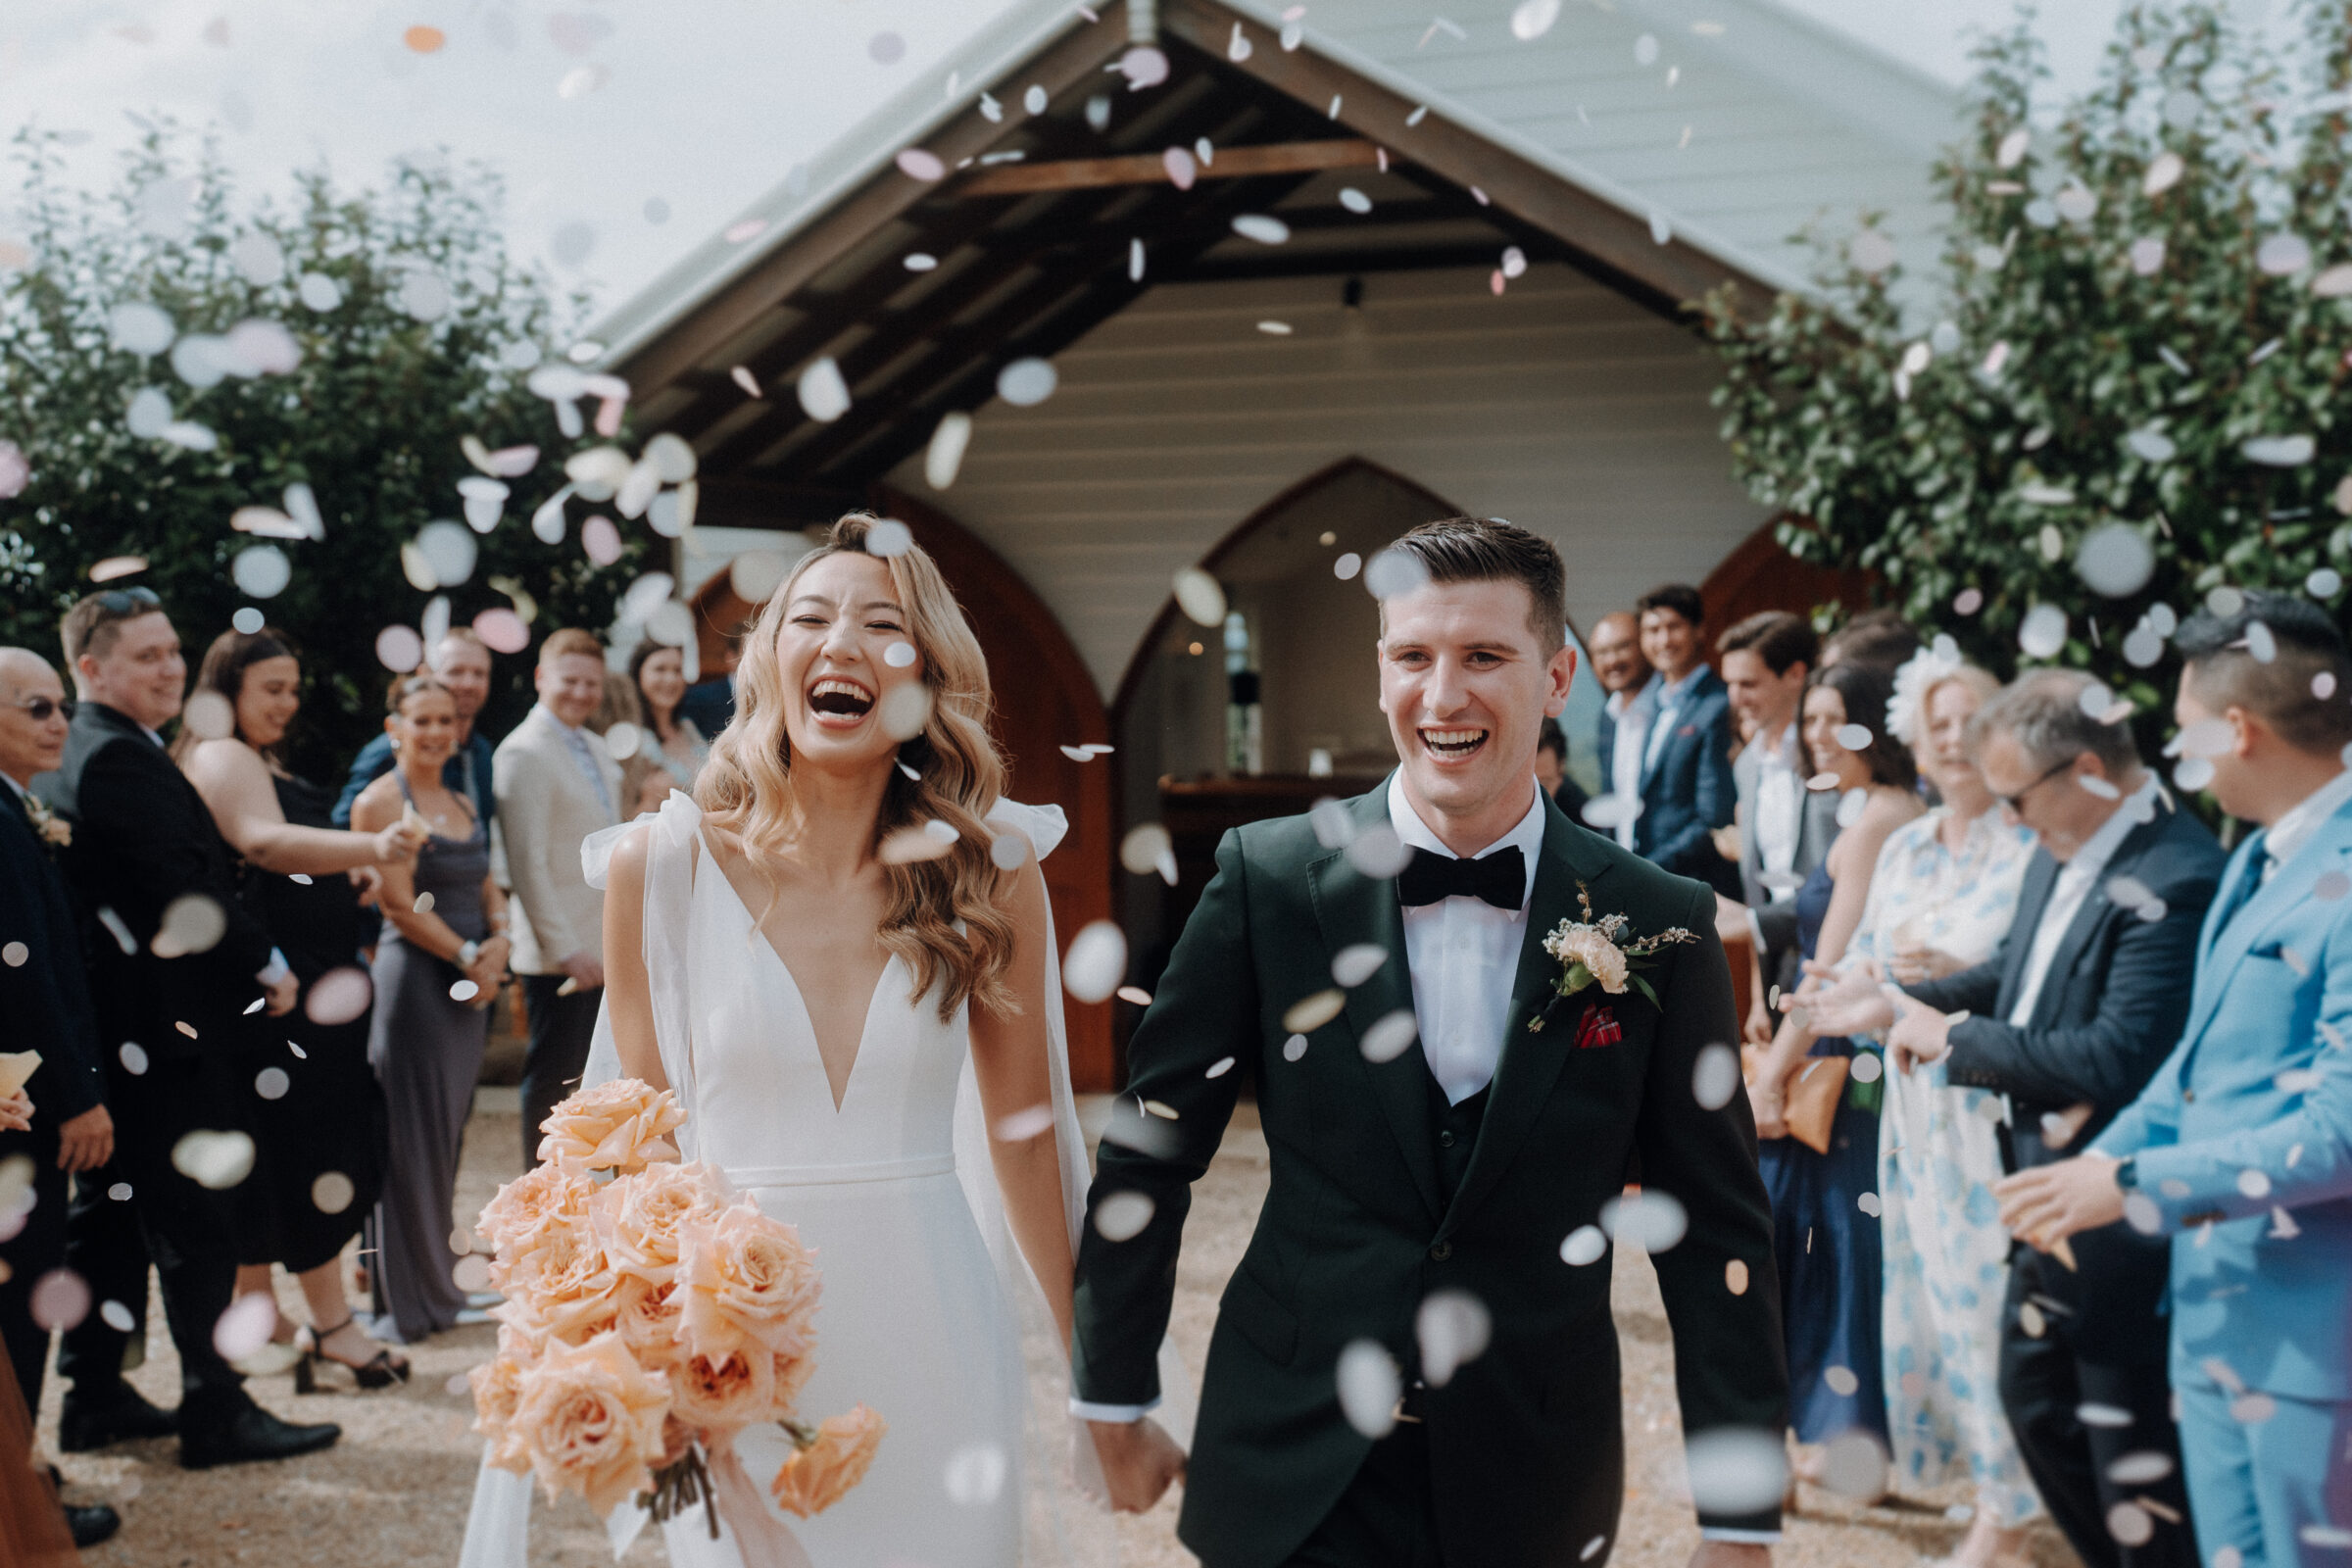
[[1139, 1461]]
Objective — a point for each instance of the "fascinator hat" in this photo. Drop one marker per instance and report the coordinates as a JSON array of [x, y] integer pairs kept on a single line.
[[1914, 679]]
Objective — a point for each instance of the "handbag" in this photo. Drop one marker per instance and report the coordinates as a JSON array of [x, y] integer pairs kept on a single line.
[[1812, 1098]]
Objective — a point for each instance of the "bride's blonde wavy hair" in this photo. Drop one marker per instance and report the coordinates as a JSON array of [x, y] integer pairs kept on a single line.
[[746, 788]]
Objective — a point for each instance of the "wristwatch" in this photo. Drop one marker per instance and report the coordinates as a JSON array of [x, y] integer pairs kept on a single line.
[[2127, 1173], [466, 953]]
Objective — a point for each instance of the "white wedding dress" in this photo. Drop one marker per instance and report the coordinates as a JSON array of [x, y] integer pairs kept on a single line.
[[927, 1303]]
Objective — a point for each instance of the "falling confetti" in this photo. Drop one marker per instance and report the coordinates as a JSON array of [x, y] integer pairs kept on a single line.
[[1369, 1385], [1095, 963], [1121, 1216], [425, 40], [1389, 1036]]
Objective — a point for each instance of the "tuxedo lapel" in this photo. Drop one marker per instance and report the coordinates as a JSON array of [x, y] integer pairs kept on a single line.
[[1531, 1063], [1350, 909]]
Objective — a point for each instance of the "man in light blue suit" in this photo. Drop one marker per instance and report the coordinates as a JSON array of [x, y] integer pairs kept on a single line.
[[2241, 1148]]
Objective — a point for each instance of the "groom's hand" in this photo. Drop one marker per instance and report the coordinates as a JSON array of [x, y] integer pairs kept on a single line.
[[1731, 1555], [1139, 1461]]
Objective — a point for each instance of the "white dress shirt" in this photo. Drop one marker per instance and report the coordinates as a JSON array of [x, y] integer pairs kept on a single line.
[[1669, 702], [1464, 954], [1625, 759], [2294, 829], [1780, 814], [2074, 885]]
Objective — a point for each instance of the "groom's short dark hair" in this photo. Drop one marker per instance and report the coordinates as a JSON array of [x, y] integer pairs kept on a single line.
[[1488, 549]]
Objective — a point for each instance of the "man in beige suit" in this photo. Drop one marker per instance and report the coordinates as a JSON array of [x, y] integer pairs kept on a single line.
[[557, 784]]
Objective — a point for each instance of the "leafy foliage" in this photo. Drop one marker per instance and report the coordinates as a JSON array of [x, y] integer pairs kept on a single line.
[[2130, 291], [370, 418]]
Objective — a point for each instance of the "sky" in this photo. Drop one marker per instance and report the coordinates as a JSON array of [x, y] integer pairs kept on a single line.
[[628, 130]]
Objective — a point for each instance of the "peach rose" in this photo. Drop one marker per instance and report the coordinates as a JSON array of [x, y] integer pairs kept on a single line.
[[817, 1477], [722, 1398], [614, 1126], [549, 1192], [792, 1371], [591, 1419], [497, 1392], [557, 1277], [646, 1317], [745, 1280], [639, 1217]]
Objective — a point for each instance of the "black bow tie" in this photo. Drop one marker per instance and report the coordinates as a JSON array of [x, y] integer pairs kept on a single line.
[[1499, 878]]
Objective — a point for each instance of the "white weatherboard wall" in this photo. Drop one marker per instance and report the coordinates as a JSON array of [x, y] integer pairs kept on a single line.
[[1561, 406]]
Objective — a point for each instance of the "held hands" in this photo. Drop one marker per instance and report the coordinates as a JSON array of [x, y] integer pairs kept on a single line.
[[2045, 1205], [1139, 1461], [1911, 965], [489, 969], [1920, 1035], [16, 1112], [85, 1141]]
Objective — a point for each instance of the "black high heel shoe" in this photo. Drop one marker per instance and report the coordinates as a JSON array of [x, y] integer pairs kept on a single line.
[[380, 1371]]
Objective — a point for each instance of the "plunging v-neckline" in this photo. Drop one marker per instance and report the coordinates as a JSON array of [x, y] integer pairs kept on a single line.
[[800, 998]]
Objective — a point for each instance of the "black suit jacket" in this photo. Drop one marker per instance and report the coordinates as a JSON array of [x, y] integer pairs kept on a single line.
[[1356, 1230], [45, 1001], [2110, 1010], [142, 838]]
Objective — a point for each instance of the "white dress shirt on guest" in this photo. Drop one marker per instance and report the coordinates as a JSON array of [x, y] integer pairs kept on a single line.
[[2075, 882], [1625, 758], [1464, 955], [1780, 814], [2294, 829]]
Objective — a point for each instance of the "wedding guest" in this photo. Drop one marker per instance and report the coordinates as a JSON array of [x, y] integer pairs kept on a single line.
[[1628, 681], [672, 741], [1830, 1257], [2069, 1021], [2240, 1148], [1785, 829], [45, 997], [36, 1530], [557, 784], [1879, 637], [1552, 770], [315, 1111], [439, 961], [1941, 899], [1686, 790], [144, 846], [461, 662]]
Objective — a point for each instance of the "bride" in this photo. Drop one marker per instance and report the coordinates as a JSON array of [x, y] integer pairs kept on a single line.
[[813, 955]]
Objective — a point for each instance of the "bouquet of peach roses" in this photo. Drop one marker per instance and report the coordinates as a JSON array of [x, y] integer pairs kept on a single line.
[[652, 1316]]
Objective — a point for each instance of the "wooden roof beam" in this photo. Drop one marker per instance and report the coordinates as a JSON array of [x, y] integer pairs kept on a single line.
[[1151, 168]]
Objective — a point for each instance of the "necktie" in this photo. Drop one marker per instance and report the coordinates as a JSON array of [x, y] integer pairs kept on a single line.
[[2258, 865], [1500, 878]]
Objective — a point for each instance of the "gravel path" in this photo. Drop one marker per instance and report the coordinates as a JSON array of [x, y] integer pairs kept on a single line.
[[394, 1491]]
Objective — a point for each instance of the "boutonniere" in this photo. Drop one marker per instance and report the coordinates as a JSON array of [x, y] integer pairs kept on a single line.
[[54, 830], [1601, 950]]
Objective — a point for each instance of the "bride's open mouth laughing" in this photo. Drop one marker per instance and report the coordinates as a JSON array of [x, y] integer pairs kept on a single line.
[[840, 704], [1452, 744]]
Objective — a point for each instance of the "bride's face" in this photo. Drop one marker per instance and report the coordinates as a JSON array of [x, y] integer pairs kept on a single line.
[[843, 629]]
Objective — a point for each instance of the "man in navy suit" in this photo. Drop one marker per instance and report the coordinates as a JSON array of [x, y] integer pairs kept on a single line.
[[1685, 779], [2239, 1150]]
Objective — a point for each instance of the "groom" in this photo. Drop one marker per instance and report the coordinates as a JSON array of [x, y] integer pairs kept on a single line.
[[1457, 1167]]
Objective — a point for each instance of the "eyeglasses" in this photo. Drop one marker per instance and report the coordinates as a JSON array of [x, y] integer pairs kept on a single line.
[[2010, 801], [42, 708], [129, 601]]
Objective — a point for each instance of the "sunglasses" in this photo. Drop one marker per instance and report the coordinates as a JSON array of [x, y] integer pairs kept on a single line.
[[43, 708], [2011, 801], [129, 601]]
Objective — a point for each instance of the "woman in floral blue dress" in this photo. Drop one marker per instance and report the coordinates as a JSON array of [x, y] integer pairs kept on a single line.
[[1940, 900]]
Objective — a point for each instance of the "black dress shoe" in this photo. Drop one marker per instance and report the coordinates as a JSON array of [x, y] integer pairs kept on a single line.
[[93, 1524], [118, 1415], [251, 1433]]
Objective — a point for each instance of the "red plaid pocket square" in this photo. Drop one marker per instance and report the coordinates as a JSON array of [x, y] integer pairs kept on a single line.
[[1597, 1027]]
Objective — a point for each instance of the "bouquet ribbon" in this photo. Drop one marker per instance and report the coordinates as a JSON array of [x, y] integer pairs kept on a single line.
[[763, 1539]]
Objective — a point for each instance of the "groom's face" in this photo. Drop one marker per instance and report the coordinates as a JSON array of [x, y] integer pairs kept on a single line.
[[1467, 681]]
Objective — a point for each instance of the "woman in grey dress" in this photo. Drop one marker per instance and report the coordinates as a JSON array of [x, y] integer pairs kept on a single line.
[[438, 966]]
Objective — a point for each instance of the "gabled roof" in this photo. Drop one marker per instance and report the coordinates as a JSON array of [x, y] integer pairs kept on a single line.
[[1769, 121]]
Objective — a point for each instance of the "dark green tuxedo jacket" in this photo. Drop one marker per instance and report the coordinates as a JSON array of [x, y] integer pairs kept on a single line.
[[1524, 1442]]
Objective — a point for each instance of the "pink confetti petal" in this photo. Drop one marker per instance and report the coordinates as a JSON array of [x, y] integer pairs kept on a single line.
[[916, 163], [503, 631], [601, 540], [1182, 168]]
